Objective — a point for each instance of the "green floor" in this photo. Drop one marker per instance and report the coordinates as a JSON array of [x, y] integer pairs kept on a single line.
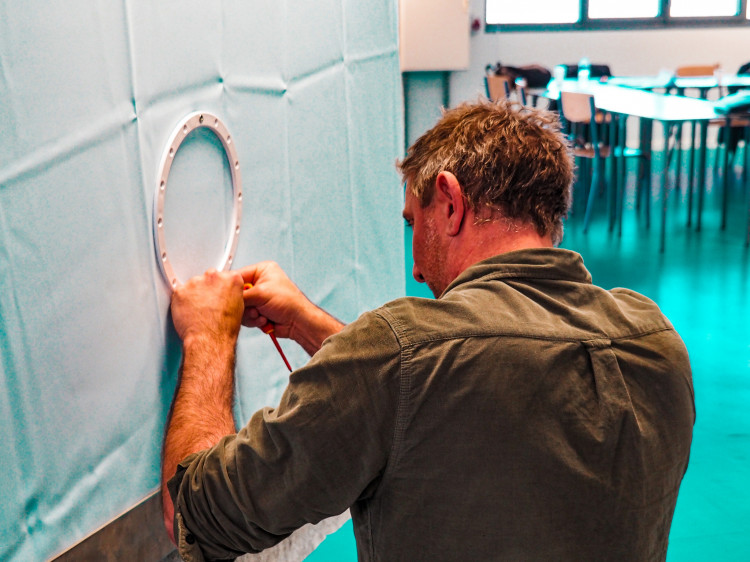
[[701, 283]]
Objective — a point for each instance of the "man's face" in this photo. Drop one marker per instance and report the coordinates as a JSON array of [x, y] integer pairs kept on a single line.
[[427, 247]]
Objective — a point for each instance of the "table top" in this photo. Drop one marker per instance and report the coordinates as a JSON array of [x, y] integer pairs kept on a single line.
[[667, 81], [640, 103]]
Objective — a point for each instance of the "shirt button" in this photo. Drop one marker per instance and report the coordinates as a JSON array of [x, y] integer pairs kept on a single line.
[[190, 538]]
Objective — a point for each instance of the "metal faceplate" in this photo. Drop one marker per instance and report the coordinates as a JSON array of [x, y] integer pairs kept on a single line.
[[188, 124]]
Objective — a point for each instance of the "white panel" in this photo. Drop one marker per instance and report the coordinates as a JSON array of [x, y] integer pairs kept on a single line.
[[434, 34]]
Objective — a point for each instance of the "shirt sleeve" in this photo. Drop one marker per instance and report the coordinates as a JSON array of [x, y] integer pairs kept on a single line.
[[323, 448]]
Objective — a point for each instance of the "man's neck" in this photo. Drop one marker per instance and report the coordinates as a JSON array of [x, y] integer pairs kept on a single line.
[[484, 240]]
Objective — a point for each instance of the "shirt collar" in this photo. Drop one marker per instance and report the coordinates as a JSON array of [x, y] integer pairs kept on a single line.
[[533, 263]]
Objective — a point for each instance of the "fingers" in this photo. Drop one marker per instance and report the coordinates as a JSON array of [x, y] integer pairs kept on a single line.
[[252, 318], [209, 304], [261, 272], [272, 298]]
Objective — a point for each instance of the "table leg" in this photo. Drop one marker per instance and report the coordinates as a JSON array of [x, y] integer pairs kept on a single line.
[[678, 156], [622, 168], [647, 134], [703, 133], [668, 128], [612, 169], [747, 183], [725, 177]]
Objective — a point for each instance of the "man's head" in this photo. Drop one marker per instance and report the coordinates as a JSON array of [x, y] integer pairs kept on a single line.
[[512, 164]]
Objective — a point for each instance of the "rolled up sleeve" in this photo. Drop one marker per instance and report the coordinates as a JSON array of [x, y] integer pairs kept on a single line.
[[323, 448]]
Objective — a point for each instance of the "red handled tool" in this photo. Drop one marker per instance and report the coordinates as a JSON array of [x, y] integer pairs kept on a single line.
[[268, 329]]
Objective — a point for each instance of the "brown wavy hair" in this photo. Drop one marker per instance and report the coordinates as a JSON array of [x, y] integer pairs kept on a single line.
[[509, 159]]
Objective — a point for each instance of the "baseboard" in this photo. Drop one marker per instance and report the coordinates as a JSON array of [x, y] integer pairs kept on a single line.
[[139, 535]]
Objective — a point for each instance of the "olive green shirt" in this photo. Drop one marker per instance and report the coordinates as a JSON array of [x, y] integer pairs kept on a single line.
[[526, 414]]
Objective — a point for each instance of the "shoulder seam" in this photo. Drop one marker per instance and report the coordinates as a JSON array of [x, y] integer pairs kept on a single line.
[[540, 337]]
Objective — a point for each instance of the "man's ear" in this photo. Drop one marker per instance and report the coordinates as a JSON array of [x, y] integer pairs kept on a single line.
[[450, 195]]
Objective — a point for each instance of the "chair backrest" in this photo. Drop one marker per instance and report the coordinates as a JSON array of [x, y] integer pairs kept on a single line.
[[696, 70], [498, 87], [577, 107], [596, 70]]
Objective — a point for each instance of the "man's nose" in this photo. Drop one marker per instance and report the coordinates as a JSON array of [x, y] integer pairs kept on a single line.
[[417, 274]]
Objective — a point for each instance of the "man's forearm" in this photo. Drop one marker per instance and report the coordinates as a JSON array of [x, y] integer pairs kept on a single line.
[[202, 409]]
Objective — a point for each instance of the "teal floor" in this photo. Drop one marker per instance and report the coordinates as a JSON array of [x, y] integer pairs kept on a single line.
[[701, 283]]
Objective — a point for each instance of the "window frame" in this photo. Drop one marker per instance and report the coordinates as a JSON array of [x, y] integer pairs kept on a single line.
[[662, 21]]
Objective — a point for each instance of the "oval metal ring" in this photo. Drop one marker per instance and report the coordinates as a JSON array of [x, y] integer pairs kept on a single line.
[[187, 124]]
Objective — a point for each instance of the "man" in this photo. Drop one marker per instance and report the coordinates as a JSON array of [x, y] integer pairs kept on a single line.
[[524, 414]]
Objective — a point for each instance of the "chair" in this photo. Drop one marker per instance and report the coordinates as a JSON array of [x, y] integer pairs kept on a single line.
[[579, 111], [497, 87], [690, 71], [696, 70], [597, 70], [501, 86], [734, 127]]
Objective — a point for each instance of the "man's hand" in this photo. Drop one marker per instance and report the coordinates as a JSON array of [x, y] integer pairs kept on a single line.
[[209, 305], [274, 298]]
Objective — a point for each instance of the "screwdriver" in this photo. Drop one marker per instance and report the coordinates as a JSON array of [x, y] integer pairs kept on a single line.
[[268, 329]]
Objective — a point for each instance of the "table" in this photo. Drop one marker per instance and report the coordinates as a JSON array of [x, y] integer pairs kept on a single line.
[[669, 110], [702, 83]]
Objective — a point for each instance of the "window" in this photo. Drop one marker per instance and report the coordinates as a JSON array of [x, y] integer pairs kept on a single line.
[[509, 15], [537, 11], [702, 8], [599, 9]]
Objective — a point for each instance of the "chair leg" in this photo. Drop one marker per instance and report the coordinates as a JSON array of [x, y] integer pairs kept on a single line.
[[595, 181], [621, 184], [645, 191], [691, 174], [703, 132], [580, 186], [717, 158], [678, 157], [746, 183], [641, 186]]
